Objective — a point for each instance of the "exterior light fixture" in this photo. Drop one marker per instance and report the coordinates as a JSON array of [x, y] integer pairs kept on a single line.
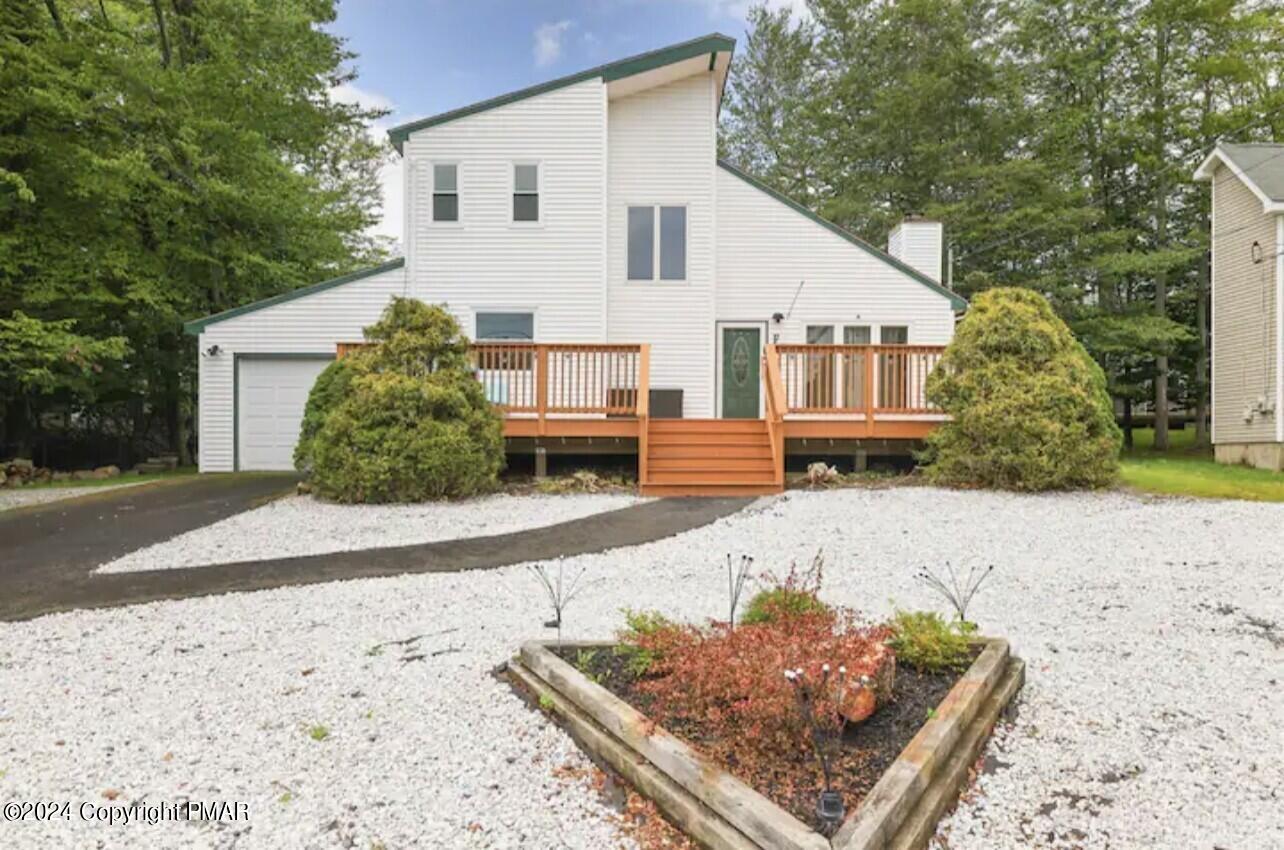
[[1257, 252], [213, 351]]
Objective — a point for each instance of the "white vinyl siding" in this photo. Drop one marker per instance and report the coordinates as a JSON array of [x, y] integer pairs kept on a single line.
[[312, 324], [1244, 315], [663, 150], [490, 263], [767, 249]]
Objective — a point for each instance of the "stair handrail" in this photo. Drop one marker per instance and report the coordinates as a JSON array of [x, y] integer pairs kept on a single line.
[[776, 404]]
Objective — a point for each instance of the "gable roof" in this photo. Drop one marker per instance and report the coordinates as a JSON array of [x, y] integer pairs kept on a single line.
[[958, 302], [195, 326], [1260, 166], [712, 44]]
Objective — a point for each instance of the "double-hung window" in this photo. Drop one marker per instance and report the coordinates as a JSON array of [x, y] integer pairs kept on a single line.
[[657, 246], [525, 192], [445, 192]]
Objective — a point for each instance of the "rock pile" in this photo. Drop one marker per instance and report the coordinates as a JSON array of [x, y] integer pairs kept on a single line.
[[20, 472]]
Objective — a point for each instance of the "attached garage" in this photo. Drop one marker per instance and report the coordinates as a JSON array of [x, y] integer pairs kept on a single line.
[[258, 364], [271, 392]]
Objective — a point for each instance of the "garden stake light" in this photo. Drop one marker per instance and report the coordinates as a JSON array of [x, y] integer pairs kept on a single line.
[[736, 579], [959, 590], [559, 594], [829, 806]]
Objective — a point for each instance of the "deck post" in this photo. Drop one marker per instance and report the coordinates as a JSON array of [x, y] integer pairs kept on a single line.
[[541, 388], [643, 407], [870, 354], [541, 463]]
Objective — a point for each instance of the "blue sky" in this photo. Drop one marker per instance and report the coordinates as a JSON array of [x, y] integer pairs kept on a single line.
[[421, 57]]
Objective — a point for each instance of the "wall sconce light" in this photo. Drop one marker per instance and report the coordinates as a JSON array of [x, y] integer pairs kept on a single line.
[[1257, 252], [777, 317], [212, 351]]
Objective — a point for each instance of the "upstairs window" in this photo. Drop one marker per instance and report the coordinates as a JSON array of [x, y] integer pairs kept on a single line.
[[668, 253], [525, 193], [445, 192]]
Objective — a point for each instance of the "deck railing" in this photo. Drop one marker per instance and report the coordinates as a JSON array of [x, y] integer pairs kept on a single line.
[[856, 379], [559, 378]]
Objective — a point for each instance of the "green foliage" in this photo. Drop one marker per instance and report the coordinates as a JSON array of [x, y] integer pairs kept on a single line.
[[1028, 406], [40, 358], [149, 178], [331, 387], [410, 421], [923, 640], [781, 603], [641, 640], [319, 733]]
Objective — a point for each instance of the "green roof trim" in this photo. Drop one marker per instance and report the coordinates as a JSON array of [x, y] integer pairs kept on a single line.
[[195, 326], [956, 300], [713, 43]]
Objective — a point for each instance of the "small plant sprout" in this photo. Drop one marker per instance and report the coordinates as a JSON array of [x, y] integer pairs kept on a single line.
[[825, 732], [737, 575], [560, 593], [957, 588]]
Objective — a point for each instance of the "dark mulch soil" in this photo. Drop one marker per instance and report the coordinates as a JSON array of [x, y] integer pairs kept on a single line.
[[867, 749]]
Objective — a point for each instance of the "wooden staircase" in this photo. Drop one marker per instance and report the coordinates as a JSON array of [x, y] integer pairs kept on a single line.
[[709, 457]]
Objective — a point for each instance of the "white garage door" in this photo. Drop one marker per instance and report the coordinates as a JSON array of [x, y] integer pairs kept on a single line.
[[271, 394]]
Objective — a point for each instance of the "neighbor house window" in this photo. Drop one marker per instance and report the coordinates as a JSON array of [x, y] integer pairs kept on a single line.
[[497, 326], [668, 253], [445, 192], [893, 335], [525, 193]]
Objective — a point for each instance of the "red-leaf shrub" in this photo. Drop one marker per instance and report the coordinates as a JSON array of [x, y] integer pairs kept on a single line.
[[727, 686]]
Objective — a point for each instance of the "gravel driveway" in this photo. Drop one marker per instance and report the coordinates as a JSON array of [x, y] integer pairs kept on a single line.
[[1152, 630], [302, 525]]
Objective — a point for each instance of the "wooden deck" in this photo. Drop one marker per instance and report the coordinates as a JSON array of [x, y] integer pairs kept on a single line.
[[810, 392]]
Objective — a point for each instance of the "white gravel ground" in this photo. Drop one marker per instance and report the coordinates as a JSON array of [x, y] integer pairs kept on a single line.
[[21, 497], [302, 525], [1150, 718]]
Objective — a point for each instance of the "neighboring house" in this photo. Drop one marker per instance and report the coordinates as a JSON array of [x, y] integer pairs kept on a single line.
[[591, 215], [1248, 288]]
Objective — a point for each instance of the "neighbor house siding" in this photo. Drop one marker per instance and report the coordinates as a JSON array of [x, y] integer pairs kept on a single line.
[[766, 250], [1244, 330], [308, 325], [485, 261], [663, 149]]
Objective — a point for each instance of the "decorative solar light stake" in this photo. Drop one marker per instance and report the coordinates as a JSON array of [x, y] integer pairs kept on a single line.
[[829, 807]]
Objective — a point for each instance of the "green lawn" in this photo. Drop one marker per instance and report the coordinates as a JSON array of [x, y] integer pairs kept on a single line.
[[1184, 470], [126, 478]]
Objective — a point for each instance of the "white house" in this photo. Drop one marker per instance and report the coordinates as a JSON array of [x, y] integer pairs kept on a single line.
[[593, 211], [1247, 290]]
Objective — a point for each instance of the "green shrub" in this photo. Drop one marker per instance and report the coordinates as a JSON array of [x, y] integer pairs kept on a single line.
[[331, 387], [412, 423], [781, 603], [641, 639], [923, 640], [1029, 407]]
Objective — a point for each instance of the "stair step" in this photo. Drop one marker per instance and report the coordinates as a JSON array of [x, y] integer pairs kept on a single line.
[[724, 426], [696, 490], [714, 466], [706, 438], [709, 476], [660, 451]]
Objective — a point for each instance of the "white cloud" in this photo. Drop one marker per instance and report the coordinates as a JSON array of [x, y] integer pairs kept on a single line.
[[392, 215], [740, 8], [548, 42]]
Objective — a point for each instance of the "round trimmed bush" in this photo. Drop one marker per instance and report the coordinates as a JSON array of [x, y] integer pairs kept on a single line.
[[405, 420], [1029, 407], [330, 388]]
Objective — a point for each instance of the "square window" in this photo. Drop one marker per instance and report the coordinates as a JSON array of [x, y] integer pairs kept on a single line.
[[515, 326], [893, 335], [820, 334], [445, 207], [525, 207], [856, 335], [526, 178]]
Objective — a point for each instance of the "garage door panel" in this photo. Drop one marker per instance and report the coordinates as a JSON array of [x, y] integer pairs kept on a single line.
[[272, 393]]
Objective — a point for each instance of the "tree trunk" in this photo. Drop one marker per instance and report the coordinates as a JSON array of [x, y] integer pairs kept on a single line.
[[1201, 358], [52, 6], [164, 37], [1161, 236]]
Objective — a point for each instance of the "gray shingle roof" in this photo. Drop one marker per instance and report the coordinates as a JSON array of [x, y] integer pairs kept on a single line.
[[1261, 163]]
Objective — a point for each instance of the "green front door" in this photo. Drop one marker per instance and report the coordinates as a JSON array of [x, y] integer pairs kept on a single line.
[[740, 372]]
